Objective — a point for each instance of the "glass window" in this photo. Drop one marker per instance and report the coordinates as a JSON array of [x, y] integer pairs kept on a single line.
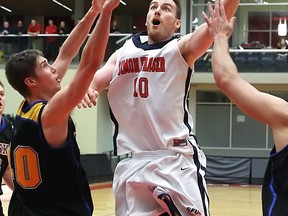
[[221, 124], [259, 21], [211, 97]]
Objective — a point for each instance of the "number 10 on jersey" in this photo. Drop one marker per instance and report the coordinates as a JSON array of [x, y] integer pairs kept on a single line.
[[141, 87]]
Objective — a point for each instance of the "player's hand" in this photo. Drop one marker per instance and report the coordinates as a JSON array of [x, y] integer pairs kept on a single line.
[[218, 24], [90, 99]]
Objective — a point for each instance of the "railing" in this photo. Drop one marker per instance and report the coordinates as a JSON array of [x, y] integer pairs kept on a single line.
[[253, 59], [12, 43]]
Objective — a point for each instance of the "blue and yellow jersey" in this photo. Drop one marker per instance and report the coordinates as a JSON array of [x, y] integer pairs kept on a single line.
[[5, 136], [48, 181]]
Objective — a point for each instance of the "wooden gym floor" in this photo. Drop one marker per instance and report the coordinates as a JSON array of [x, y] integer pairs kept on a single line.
[[225, 200]]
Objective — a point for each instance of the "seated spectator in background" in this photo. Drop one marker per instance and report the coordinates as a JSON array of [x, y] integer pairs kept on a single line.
[[34, 29], [63, 29], [77, 21], [112, 45], [6, 42], [282, 44], [51, 50], [20, 41], [114, 27]]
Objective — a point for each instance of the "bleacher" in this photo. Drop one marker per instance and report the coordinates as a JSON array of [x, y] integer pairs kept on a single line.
[[250, 58]]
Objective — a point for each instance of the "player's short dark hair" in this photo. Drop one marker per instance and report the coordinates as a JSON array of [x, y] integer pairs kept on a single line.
[[19, 67], [178, 7]]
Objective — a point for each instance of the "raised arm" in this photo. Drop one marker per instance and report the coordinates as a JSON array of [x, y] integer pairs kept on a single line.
[[195, 44], [258, 105], [76, 38], [100, 81], [56, 112]]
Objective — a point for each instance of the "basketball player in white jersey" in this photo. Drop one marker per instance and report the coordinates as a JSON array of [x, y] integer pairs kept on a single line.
[[261, 106], [149, 80]]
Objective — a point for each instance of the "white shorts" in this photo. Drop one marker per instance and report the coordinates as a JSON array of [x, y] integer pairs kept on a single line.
[[158, 182]]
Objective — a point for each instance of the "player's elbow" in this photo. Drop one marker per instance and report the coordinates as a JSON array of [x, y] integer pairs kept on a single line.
[[221, 81], [92, 59], [91, 64], [224, 76]]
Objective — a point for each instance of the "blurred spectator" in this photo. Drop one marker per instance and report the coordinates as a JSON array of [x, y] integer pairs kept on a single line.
[[112, 45], [114, 27], [282, 44], [34, 41], [6, 42], [51, 50], [20, 41], [77, 21], [62, 30]]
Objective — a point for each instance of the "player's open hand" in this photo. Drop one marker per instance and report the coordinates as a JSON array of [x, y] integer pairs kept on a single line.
[[218, 24], [90, 99]]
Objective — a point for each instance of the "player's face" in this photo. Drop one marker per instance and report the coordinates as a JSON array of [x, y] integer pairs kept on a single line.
[[47, 79], [161, 20], [2, 99]]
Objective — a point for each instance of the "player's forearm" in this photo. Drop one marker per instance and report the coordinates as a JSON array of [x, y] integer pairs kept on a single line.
[[223, 66], [91, 59], [8, 179], [230, 7], [79, 33], [98, 41]]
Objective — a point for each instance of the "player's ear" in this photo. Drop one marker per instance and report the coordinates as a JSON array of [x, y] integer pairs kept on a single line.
[[178, 24], [30, 81]]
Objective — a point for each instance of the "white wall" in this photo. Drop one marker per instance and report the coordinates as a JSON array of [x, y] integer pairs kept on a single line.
[[13, 98]]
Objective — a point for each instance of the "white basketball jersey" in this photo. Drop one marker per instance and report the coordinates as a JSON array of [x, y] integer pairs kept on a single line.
[[148, 97]]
